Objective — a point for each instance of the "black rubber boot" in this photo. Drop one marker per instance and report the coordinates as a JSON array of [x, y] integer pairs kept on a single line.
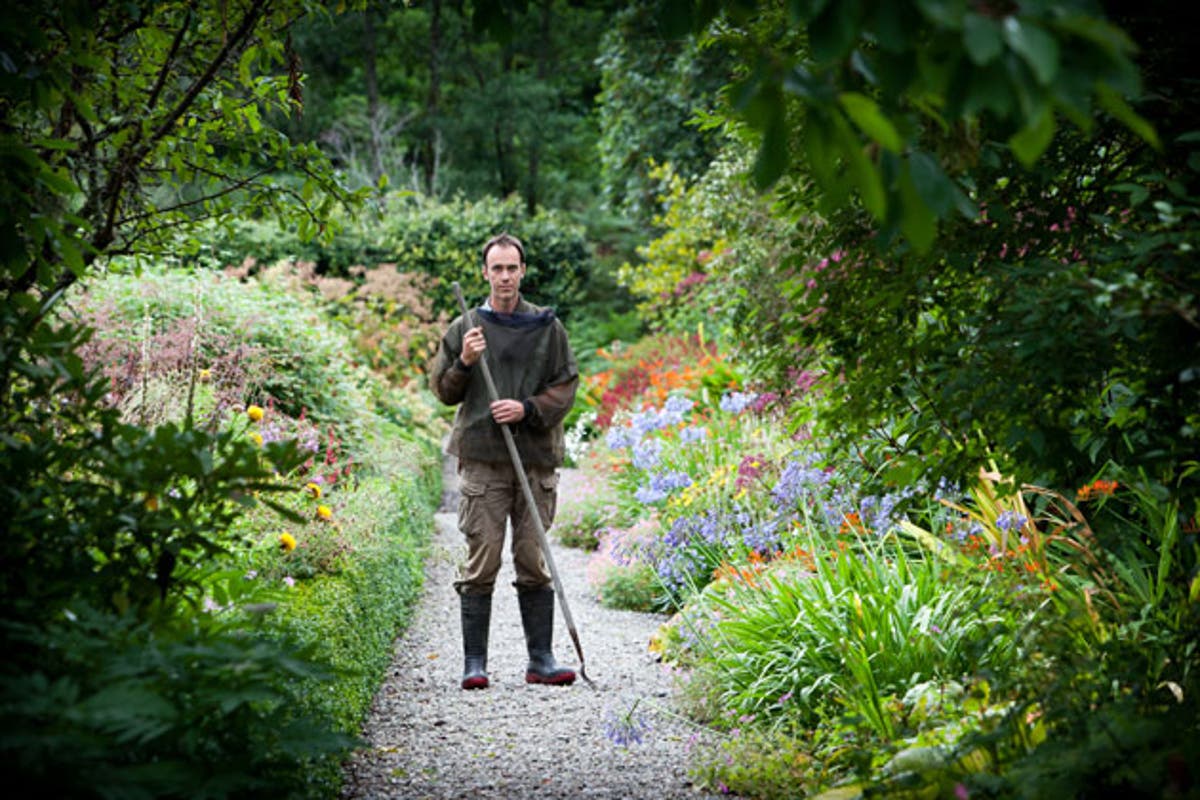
[[476, 618], [537, 616]]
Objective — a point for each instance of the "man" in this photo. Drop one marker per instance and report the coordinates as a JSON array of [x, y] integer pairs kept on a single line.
[[534, 370]]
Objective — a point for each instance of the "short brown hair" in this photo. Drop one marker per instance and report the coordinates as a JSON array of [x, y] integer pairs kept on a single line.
[[503, 240]]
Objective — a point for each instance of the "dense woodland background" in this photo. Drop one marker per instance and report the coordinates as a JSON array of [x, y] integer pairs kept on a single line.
[[923, 257]]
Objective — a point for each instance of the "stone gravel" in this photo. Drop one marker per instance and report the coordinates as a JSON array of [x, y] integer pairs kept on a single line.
[[427, 738]]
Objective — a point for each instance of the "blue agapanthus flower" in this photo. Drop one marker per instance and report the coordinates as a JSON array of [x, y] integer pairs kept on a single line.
[[737, 402]]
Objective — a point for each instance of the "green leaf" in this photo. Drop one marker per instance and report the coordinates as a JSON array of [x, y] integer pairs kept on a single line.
[[1037, 47], [981, 37], [936, 190], [1115, 105], [772, 157], [917, 221], [870, 120], [833, 32], [894, 25], [1030, 142], [944, 13], [867, 179]]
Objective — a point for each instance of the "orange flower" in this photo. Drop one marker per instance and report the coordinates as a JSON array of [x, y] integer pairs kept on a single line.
[[852, 523], [1096, 488]]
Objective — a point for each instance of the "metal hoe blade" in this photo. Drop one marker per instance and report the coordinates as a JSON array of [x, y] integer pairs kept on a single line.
[[529, 501]]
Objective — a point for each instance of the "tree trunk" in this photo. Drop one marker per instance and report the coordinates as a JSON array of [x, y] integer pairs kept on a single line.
[[374, 113], [535, 142], [433, 139]]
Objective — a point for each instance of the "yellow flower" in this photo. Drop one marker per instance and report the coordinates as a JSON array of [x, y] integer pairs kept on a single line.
[[256, 437], [205, 375], [324, 512], [287, 542], [255, 413], [313, 489], [151, 503]]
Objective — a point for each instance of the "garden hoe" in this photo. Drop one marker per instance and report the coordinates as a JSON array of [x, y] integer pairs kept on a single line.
[[529, 501]]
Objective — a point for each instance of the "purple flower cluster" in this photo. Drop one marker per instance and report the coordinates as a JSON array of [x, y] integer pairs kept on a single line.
[[799, 481], [737, 402], [647, 453], [1010, 521], [652, 419], [662, 485], [627, 728], [678, 556], [806, 484], [619, 437], [762, 537]]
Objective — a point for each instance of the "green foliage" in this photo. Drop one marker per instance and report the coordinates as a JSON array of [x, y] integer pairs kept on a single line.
[[351, 622], [424, 97], [125, 125], [441, 241], [99, 509], [849, 632], [765, 764], [138, 662], [652, 88], [875, 77], [99, 704], [445, 241], [632, 587], [719, 261], [276, 347], [1051, 335]]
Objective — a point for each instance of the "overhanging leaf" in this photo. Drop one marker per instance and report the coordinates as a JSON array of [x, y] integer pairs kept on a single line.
[[981, 37], [865, 113], [917, 221], [1037, 47], [833, 31], [1030, 142], [1115, 105], [772, 157]]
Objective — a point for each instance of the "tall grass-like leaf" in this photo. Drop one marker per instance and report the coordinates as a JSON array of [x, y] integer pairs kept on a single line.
[[856, 629]]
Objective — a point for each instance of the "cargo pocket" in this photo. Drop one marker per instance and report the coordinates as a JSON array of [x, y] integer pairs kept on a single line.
[[548, 497], [471, 512]]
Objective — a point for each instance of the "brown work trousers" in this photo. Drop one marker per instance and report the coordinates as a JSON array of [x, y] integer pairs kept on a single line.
[[491, 496]]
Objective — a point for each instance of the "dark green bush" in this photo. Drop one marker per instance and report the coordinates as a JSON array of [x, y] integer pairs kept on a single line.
[[442, 240], [100, 704]]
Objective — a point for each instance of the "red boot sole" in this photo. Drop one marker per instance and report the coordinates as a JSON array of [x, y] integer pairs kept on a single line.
[[475, 683], [565, 680]]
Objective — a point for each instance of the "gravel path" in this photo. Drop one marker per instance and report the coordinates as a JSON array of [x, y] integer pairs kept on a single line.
[[427, 738]]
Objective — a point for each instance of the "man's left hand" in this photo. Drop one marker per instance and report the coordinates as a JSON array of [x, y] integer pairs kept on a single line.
[[507, 412]]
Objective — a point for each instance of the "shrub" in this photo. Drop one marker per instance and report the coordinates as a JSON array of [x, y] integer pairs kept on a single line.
[[117, 707], [617, 577], [439, 240]]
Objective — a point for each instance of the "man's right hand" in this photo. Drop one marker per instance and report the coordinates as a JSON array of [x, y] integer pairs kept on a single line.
[[473, 346]]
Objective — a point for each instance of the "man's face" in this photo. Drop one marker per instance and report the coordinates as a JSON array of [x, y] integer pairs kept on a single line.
[[503, 272]]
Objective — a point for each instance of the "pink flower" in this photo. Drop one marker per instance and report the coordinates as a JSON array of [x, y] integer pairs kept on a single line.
[[960, 791]]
